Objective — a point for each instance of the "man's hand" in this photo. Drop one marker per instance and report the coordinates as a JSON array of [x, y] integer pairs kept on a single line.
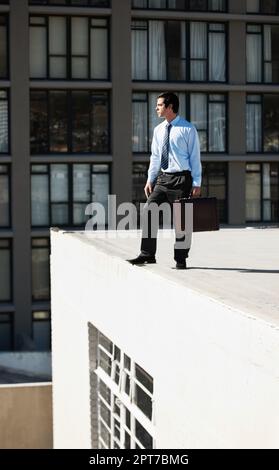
[[148, 189], [196, 191]]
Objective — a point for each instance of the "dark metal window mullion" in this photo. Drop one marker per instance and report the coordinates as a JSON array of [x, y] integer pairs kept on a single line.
[[70, 186], [262, 123], [49, 193], [69, 47], [207, 50], [47, 46], [89, 19], [148, 53], [69, 121]]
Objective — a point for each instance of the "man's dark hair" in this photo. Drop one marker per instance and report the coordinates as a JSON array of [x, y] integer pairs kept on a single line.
[[170, 98]]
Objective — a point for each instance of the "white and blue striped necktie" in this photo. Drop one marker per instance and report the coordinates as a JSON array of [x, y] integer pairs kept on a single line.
[[165, 148]]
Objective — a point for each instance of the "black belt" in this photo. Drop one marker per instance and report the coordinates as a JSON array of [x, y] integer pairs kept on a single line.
[[177, 173]]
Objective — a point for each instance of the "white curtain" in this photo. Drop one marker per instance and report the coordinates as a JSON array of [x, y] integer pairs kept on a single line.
[[253, 197], [254, 57], [217, 57], [3, 125], [199, 117], [39, 198], [253, 127], [217, 127], [267, 54], [139, 50], [57, 46], [198, 41], [153, 118], [157, 51], [140, 143]]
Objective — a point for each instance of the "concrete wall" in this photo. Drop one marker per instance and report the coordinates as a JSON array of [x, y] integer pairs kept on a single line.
[[215, 368], [26, 416]]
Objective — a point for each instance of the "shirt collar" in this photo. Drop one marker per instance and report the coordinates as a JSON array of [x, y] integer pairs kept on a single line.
[[173, 122]]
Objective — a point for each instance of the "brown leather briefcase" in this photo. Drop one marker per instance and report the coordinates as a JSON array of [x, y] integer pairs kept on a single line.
[[204, 214]]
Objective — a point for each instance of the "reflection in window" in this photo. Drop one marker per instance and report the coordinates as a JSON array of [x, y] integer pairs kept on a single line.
[[262, 53], [69, 121], [41, 330], [262, 192], [262, 121]]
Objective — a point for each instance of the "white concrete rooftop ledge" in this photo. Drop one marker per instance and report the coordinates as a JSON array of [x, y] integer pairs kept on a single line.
[[154, 357]]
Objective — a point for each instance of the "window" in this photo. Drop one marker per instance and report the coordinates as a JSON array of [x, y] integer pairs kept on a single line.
[[178, 51], [4, 122], [124, 396], [5, 270], [41, 330], [6, 331], [262, 192], [68, 47], [266, 7], [191, 5], [5, 216], [73, 3], [262, 53], [61, 192], [214, 184], [40, 269], [206, 111], [69, 121], [262, 123], [3, 46]]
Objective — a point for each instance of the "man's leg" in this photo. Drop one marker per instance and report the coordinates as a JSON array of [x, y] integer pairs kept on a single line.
[[150, 221]]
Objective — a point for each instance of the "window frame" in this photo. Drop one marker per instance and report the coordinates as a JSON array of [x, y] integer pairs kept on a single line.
[[70, 203], [67, 4], [188, 58], [43, 320], [262, 199], [34, 247], [7, 25], [10, 322], [8, 120], [187, 8], [69, 115], [8, 173]]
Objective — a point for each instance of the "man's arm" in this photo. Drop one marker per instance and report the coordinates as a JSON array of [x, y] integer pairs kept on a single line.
[[154, 166], [195, 161]]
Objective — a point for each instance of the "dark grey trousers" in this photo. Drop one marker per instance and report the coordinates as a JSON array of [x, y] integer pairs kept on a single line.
[[168, 188]]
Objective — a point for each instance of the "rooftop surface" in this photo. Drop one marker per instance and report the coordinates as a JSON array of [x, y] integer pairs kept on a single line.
[[235, 266]]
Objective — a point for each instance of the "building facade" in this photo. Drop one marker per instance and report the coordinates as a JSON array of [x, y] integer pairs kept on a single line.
[[78, 87]]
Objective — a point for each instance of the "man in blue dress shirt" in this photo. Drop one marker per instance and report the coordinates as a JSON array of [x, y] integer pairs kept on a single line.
[[174, 172]]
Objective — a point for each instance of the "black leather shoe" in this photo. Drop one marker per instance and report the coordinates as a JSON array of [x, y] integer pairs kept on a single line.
[[142, 260], [181, 265]]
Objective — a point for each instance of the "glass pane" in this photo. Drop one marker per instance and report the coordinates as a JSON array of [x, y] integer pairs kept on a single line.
[[100, 188], [253, 197], [79, 67], [4, 201], [79, 36], [40, 200], [140, 132], [79, 217], [153, 118], [59, 214], [175, 42], [105, 413], [40, 273], [104, 392], [254, 57], [198, 105], [157, 50], [105, 342], [144, 378], [58, 121], [143, 401], [59, 183], [5, 336], [198, 50], [3, 52], [271, 123], [99, 53], [139, 50], [81, 121], [57, 35], [81, 183], [254, 127], [253, 6], [38, 52], [57, 67], [38, 122], [217, 127], [143, 436], [5, 275], [3, 126], [99, 120], [217, 57], [275, 53], [41, 335]]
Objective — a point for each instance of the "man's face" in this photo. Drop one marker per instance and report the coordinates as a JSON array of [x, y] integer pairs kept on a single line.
[[161, 108]]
